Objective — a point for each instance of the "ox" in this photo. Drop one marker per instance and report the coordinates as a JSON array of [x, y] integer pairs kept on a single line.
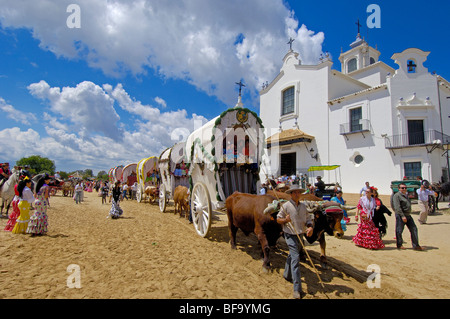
[[327, 219], [181, 200], [151, 192], [246, 211]]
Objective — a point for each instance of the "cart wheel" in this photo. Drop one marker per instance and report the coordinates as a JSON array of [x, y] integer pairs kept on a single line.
[[162, 198], [139, 194], [201, 209]]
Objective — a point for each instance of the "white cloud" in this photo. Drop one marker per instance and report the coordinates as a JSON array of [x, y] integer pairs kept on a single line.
[[161, 102], [210, 44], [87, 106], [73, 141], [16, 115]]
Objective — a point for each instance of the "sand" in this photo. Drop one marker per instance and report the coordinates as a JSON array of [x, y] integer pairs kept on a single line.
[[149, 254]]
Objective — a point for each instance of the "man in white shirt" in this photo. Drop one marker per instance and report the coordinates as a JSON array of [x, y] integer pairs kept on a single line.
[[296, 222], [423, 192], [363, 190]]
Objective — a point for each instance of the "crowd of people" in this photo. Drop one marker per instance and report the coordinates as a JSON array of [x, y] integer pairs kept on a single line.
[[29, 215], [30, 206], [372, 227]]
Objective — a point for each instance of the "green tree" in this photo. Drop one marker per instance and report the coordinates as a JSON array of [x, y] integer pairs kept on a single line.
[[38, 164]]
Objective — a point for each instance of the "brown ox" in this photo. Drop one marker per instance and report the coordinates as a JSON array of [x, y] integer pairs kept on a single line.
[[181, 199], [151, 192], [246, 211]]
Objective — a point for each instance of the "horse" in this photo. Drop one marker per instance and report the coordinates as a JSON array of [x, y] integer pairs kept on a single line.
[[7, 191]]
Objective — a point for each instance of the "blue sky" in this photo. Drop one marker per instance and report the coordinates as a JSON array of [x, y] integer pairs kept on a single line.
[[138, 75]]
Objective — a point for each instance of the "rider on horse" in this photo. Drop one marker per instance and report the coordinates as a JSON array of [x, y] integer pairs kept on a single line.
[[5, 173]]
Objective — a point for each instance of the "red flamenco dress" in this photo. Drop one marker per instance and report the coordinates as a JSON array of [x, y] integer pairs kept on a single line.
[[367, 235], [15, 213]]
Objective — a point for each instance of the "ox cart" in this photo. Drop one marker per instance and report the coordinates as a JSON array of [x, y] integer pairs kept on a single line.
[[173, 170], [146, 173], [224, 156], [55, 185]]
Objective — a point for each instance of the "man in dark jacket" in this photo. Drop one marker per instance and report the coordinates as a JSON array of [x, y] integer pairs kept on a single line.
[[402, 207]]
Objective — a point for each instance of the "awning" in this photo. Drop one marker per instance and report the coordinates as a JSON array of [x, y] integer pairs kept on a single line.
[[323, 168], [288, 137]]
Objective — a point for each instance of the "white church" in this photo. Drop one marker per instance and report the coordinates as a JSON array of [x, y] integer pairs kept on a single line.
[[375, 123]]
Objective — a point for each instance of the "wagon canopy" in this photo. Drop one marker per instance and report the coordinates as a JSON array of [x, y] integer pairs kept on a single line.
[[223, 139], [172, 156], [129, 174], [146, 170], [115, 173], [225, 153]]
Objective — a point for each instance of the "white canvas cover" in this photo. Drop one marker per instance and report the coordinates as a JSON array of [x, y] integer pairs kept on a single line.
[[127, 171], [205, 147]]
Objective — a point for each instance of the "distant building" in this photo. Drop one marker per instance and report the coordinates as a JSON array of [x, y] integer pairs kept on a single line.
[[379, 124]]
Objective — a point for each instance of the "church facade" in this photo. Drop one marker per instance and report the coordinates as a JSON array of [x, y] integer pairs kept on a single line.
[[378, 124]]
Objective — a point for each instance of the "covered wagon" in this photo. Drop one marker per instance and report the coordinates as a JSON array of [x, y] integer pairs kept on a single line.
[[224, 156], [173, 170], [147, 174]]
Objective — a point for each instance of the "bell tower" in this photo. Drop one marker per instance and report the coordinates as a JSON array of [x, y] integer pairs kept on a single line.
[[359, 56]]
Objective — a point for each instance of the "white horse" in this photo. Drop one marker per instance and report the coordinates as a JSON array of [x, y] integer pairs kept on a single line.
[[7, 191]]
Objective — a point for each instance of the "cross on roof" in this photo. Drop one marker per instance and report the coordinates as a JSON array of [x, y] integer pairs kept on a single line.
[[359, 26], [290, 43], [240, 86]]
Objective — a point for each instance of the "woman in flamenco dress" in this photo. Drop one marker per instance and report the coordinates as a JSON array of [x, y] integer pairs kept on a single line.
[[26, 198], [39, 220], [367, 235], [16, 211]]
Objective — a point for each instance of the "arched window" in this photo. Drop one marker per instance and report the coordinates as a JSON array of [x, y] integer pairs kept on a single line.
[[351, 65], [372, 60], [288, 101]]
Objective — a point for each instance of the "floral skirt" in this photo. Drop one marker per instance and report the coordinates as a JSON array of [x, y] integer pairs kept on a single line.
[[115, 211], [367, 235], [14, 215], [38, 222], [22, 221]]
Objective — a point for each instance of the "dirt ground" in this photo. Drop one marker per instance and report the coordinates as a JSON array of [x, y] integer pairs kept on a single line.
[[149, 254]]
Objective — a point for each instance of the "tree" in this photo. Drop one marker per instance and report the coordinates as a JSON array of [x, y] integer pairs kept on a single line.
[[102, 175], [38, 164]]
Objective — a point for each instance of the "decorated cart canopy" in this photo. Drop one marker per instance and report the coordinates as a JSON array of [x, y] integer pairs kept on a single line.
[[129, 174], [147, 175], [224, 156], [173, 171], [146, 171], [115, 173]]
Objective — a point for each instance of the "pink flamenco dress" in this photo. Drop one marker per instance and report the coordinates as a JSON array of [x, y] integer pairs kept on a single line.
[[15, 213], [38, 221], [367, 235]]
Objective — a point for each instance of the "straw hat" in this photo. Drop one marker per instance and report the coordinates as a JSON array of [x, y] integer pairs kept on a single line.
[[295, 187]]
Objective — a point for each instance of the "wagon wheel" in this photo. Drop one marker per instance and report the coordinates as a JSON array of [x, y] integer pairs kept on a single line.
[[201, 209], [139, 194], [162, 198], [52, 191]]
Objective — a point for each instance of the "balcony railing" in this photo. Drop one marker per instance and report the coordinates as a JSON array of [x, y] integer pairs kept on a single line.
[[425, 138], [354, 127]]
